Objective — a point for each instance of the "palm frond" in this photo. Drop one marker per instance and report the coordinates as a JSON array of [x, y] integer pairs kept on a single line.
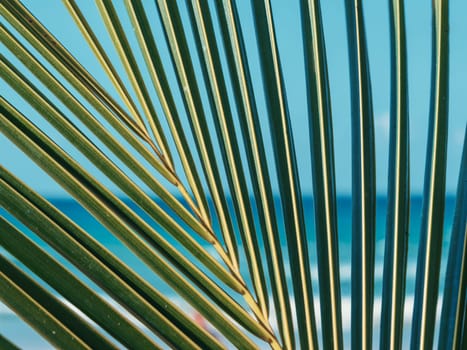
[[431, 232], [216, 255], [363, 180], [397, 223], [109, 260], [451, 334], [322, 151], [223, 121], [287, 173], [256, 158]]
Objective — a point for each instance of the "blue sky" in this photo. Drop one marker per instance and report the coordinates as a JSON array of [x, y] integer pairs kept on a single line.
[[288, 26]]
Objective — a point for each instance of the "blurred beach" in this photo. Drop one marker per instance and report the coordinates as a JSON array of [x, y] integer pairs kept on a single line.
[[26, 338]]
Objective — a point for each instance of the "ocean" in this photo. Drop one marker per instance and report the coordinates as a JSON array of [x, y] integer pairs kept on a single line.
[[25, 337]]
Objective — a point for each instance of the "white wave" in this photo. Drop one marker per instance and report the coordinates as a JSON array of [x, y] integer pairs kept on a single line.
[[345, 271], [346, 306]]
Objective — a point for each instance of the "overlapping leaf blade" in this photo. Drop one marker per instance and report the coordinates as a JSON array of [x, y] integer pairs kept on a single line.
[[256, 157], [158, 76], [188, 84], [287, 173], [453, 315], [223, 121], [322, 160], [363, 180], [431, 230], [188, 235], [61, 279], [55, 307], [131, 278], [127, 226], [397, 222]]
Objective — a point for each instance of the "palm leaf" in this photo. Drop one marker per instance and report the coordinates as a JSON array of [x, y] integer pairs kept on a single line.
[[287, 173], [177, 129], [65, 283], [186, 78], [431, 232], [223, 122], [454, 306], [256, 157], [152, 296], [322, 152], [363, 180], [397, 226]]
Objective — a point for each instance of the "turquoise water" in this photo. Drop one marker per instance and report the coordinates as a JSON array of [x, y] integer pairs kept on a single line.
[[15, 329]]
